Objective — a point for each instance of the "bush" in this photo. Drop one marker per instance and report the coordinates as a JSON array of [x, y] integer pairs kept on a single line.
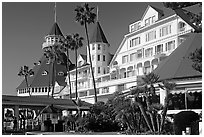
[[184, 119]]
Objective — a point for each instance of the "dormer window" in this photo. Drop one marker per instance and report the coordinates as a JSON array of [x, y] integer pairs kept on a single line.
[[153, 19], [147, 21], [80, 63], [39, 62], [44, 73], [60, 73]]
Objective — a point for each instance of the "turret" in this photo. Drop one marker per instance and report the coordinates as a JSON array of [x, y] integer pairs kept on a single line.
[[99, 51]]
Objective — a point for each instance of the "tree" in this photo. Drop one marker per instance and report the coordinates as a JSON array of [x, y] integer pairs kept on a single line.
[[54, 54], [75, 44], [85, 16], [25, 72], [168, 87], [67, 45], [196, 57], [179, 7]]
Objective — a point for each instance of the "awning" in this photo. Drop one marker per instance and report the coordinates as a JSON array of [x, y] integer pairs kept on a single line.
[[178, 91], [185, 91]]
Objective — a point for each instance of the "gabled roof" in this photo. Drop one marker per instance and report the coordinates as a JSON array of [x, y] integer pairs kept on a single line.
[[98, 35], [39, 80], [182, 15], [178, 64], [55, 30], [158, 10]]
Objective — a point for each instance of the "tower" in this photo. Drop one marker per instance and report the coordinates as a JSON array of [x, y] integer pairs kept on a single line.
[[42, 83], [99, 51]]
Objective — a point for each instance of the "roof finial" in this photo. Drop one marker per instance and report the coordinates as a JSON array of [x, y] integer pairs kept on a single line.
[[55, 12], [97, 14]]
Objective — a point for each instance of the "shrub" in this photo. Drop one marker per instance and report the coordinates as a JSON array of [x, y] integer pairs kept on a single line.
[[184, 119]]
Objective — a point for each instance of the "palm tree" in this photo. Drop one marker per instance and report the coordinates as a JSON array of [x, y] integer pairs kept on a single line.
[[67, 45], [53, 53], [168, 87], [25, 72], [147, 88], [75, 44], [85, 16]]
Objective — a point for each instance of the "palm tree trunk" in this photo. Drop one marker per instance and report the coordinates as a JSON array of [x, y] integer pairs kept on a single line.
[[70, 89], [164, 111], [76, 73], [53, 77], [49, 87], [151, 114], [158, 125], [26, 80], [94, 83], [144, 115]]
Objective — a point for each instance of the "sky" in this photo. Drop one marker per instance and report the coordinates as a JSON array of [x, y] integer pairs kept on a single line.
[[25, 24]]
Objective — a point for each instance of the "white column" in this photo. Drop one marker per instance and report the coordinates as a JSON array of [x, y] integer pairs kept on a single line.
[[163, 94]]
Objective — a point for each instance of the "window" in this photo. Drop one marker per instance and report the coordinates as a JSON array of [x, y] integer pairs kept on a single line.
[[153, 19], [132, 56], [149, 52], [170, 45], [98, 57], [159, 49], [99, 47], [80, 63], [165, 30], [104, 58], [61, 74], [93, 47], [104, 70], [99, 70], [93, 57], [44, 73], [139, 53], [125, 59], [135, 42], [147, 22], [151, 35]]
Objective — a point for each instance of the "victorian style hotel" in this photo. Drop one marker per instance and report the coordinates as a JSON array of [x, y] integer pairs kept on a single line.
[[149, 42]]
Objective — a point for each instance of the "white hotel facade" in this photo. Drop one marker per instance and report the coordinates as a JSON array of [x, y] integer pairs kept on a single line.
[[150, 40]]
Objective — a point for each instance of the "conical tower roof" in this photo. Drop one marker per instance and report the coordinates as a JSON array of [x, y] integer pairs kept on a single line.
[[98, 35], [55, 30], [178, 64]]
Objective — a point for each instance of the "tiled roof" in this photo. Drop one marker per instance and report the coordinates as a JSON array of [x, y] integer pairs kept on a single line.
[[98, 35], [39, 80], [178, 64], [55, 30]]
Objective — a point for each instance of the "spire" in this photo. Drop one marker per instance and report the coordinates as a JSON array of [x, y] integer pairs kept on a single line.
[[97, 14], [55, 30], [98, 35], [55, 12]]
